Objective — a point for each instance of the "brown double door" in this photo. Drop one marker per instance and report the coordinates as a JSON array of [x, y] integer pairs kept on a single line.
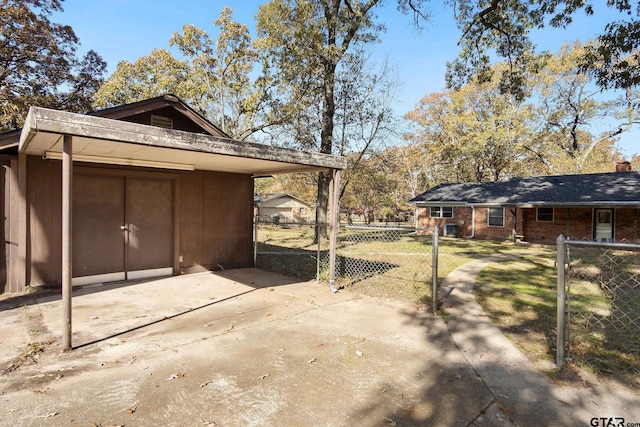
[[122, 228]]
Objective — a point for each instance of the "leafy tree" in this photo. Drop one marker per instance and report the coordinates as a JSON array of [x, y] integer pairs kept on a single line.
[[566, 105], [149, 76], [215, 78], [502, 27], [307, 41], [472, 134], [38, 63]]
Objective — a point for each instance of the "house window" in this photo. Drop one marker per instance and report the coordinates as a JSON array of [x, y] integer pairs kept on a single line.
[[496, 217], [544, 215], [441, 212], [302, 211]]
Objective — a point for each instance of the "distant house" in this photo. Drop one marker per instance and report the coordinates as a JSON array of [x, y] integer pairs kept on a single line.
[[140, 190], [598, 207], [285, 208]]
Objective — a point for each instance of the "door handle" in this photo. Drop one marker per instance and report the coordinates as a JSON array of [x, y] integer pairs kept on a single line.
[[124, 227]]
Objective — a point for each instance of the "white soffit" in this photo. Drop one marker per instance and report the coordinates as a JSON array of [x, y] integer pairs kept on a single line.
[[102, 138]]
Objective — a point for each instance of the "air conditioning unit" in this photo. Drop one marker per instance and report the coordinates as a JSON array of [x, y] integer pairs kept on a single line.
[[451, 230]]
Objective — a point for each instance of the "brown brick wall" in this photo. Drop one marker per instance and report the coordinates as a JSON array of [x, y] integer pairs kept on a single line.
[[626, 224], [573, 223]]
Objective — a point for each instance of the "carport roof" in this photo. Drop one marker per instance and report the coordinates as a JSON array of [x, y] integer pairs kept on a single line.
[[102, 140]]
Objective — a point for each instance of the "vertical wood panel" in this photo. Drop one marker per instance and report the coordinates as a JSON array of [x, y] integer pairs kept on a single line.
[[191, 218], [44, 194], [217, 215]]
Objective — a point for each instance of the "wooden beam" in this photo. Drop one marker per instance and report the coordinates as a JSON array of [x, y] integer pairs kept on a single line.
[[67, 188]]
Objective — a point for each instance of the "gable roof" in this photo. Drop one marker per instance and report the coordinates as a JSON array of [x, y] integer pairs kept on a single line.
[[121, 112], [616, 188], [129, 112]]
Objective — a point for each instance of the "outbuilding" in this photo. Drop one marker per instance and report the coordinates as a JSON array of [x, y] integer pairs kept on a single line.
[[141, 190]]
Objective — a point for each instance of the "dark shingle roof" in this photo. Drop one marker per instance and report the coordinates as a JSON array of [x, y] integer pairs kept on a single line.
[[562, 190]]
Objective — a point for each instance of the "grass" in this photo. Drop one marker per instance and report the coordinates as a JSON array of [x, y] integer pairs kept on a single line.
[[520, 297], [384, 262]]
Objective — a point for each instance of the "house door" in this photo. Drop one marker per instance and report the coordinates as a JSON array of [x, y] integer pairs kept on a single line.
[[603, 225], [122, 228]]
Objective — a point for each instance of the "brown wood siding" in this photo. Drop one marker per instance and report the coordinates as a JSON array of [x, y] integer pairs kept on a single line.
[[5, 179], [216, 220], [214, 209], [44, 195]]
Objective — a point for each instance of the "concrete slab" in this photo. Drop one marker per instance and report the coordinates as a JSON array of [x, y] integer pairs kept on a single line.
[[244, 347]]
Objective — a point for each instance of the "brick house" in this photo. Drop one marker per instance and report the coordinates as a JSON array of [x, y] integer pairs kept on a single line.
[[599, 207]]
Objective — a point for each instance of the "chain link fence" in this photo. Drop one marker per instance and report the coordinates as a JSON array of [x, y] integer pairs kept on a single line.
[[600, 320], [289, 249], [390, 262]]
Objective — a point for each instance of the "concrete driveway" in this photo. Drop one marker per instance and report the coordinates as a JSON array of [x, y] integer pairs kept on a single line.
[[239, 348]]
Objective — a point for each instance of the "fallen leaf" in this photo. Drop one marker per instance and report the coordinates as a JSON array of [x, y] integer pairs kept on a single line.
[[207, 422], [312, 360], [263, 377], [282, 349], [411, 409], [130, 411], [319, 345], [49, 415], [390, 421], [458, 376], [205, 384], [359, 353], [175, 376], [504, 409], [268, 314]]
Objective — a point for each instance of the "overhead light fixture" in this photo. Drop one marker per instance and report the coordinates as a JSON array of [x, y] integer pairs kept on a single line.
[[53, 155]]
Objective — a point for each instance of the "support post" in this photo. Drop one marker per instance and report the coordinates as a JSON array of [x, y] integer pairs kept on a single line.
[[67, 188], [560, 262], [255, 241], [335, 224], [434, 269]]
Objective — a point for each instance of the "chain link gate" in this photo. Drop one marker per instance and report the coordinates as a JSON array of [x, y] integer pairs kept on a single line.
[[599, 306]]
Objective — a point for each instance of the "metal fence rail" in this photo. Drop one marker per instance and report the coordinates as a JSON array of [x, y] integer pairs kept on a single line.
[[599, 306], [393, 262]]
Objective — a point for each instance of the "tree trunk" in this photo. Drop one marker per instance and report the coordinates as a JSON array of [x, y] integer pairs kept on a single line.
[[326, 143]]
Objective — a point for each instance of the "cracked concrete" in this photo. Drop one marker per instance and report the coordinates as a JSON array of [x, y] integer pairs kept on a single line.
[[251, 348]]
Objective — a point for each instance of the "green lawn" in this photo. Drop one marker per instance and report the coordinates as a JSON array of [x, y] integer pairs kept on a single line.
[[520, 297]]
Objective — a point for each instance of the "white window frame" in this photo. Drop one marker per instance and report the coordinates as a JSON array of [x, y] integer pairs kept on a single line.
[[553, 215], [441, 213], [489, 216]]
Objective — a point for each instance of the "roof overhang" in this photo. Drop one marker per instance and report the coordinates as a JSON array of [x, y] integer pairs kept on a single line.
[[109, 141]]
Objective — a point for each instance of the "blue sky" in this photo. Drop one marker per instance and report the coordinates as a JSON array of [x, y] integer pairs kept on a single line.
[[128, 29]]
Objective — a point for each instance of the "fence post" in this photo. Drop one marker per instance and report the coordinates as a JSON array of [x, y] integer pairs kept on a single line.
[[434, 269], [560, 263], [317, 233], [255, 242]]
